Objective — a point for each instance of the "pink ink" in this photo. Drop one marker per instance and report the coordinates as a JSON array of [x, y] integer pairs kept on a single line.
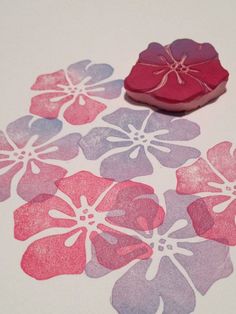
[[213, 215], [109, 210], [181, 76], [71, 92]]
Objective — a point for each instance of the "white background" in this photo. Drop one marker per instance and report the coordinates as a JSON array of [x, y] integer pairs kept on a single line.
[[43, 36]]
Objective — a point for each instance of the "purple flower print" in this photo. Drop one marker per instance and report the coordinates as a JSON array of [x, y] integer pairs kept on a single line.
[[181, 264], [24, 149], [134, 135]]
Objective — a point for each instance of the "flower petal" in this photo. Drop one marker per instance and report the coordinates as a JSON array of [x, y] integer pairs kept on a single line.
[[34, 217], [77, 71], [4, 145], [193, 51], [125, 117], [223, 158], [49, 257], [131, 205], [39, 178], [124, 192], [181, 88], [83, 183], [23, 129], [48, 105], [211, 73], [141, 215], [177, 129], [115, 249], [109, 90], [100, 140], [211, 224], [83, 110], [176, 206], [6, 179], [51, 81], [65, 148], [169, 291], [81, 70], [170, 155], [155, 54], [196, 178], [143, 78], [5, 163], [126, 165], [209, 262], [93, 268]]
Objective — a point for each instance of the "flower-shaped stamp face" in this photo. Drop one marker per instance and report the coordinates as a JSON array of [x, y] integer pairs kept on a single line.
[[93, 209], [180, 265], [181, 76], [24, 148], [214, 214], [133, 137], [73, 93]]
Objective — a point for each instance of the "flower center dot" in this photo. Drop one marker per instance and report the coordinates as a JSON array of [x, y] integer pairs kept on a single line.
[[164, 245], [74, 89], [178, 67], [22, 154], [230, 189], [85, 217], [141, 138]]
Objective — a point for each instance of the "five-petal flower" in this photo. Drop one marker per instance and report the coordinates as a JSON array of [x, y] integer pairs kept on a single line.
[[71, 92], [24, 149], [134, 135], [214, 214], [181, 262], [104, 211], [179, 76]]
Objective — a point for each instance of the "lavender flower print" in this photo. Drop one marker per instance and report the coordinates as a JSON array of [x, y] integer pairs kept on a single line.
[[136, 135], [29, 151], [181, 265]]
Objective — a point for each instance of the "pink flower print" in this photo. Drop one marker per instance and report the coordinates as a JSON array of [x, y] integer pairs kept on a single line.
[[71, 92], [92, 208], [23, 151], [214, 179]]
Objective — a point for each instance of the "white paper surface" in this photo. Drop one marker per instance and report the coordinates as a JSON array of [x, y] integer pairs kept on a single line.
[[44, 36]]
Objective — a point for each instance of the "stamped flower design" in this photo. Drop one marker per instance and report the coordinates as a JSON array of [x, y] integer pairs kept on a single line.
[[71, 92], [91, 209], [24, 148], [177, 73], [214, 214], [134, 137], [181, 264]]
